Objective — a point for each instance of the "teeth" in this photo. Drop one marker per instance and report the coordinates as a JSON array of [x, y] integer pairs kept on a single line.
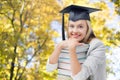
[[75, 35]]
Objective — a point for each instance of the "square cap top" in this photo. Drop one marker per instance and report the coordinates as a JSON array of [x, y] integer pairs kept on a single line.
[[78, 12]]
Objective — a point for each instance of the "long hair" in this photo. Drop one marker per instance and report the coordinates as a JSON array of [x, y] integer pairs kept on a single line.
[[90, 34]]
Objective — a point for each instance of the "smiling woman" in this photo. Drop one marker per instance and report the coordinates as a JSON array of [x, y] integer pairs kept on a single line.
[[77, 29], [82, 55], [80, 30]]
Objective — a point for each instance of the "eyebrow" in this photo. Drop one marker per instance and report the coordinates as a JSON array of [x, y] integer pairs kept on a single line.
[[80, 24]]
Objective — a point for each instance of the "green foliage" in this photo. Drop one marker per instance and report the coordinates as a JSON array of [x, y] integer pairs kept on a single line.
[[117, 5], [22, 30]]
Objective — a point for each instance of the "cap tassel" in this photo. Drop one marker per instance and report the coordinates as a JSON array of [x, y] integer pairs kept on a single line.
[[63, 31]]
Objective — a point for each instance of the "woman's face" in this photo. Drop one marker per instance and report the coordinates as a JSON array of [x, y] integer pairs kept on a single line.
[[77, 29]]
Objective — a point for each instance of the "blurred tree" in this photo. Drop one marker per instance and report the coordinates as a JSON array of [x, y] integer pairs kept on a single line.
[[26, 38], [117, 5]]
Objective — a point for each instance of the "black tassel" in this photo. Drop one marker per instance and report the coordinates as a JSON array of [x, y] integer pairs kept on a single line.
[[63, 30]]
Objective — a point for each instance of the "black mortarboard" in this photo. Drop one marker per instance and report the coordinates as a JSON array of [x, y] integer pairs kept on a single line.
[[76, 13]]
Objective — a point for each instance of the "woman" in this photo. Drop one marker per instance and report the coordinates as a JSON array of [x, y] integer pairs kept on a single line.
[[79, 35]]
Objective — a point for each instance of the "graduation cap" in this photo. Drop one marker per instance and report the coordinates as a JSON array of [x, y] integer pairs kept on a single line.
[[76, 13]]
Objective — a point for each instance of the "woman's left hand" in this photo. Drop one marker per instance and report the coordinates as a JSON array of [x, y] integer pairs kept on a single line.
[[72, 43]]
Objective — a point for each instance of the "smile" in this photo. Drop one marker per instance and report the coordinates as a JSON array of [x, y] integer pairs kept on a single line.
[[75, 36]]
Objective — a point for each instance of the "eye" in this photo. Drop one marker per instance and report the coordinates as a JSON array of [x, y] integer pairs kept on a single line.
[[80, 26]]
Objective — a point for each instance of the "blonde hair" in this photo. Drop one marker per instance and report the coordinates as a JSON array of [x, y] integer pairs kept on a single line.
[[90, 34]]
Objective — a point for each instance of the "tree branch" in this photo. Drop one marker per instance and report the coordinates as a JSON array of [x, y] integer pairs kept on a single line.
[[6, 15], [39, 48], [21, 14], [13, 63], [17, 71], [15, 47]]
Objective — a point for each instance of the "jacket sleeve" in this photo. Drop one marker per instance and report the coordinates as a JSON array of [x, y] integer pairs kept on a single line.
[[95, 58], [51, 67]]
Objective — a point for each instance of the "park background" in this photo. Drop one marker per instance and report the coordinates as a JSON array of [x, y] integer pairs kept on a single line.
[[29, 30]]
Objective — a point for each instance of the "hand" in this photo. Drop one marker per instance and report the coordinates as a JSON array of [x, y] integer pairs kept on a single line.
[[70, 43]]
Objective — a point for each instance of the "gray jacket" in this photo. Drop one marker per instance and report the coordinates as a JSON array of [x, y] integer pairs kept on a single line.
[[94, 67]]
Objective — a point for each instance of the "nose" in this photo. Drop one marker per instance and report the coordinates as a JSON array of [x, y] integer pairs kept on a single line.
[[75, 29]]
